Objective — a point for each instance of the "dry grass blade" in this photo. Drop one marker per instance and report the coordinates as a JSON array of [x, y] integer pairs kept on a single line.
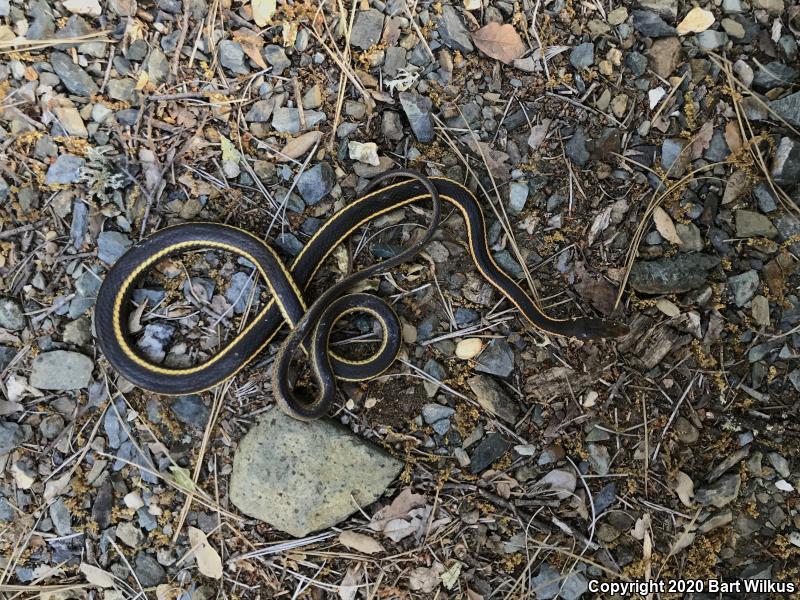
[[34, 45]]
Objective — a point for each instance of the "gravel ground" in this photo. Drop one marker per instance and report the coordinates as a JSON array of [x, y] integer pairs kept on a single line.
[[635, 161]]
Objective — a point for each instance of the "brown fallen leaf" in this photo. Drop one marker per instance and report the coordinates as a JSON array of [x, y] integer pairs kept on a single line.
[[251, 43], [539, 133], [702, 140], [495, 159], [208, 561], [733, 136], [665, 226], [499, 41], [297, 147], [684, 487], [359, 541]]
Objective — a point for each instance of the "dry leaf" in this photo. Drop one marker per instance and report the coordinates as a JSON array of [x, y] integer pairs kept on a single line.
[[289, 33], [97, 576], [472, 4], [298, 146], [702, 140], [736, 187], [208, 560], [141, 82], [251, 43], [401, 506], [495, 159], [562, 482], [539, 133], [733, 137], [684, 487], [640, 528], [229, 151], [9, 408], [665, 225], [696, 21], [668, 308], [263, 11], [684, 540], [349, 586], [499, 41], [469, 348], [423, 579], [359, 541]]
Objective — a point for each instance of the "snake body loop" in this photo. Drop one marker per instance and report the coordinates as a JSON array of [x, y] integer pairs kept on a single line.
[[310, 325]]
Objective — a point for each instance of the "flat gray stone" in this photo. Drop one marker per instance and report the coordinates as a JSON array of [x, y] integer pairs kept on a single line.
[[680, 273], [753, 224], [11, 435], [788, 108], [493, 398], [315, 183], [11, 316], [720, 493], [231, 56], [496, 359], [582, 56], [74, 78], [111, 245], [743, 287], [61, 370], [418, 110], [66, 169], [301, 477], [453, 31], [367, 29]]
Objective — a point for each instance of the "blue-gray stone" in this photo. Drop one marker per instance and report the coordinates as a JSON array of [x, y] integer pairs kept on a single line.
[[111, 245], [231, 56], [453, 31], [66, 169], [418, 111], [576, 148], [651, 24], [155, 340], [190, 410], [582, 56], [289, 243], [315, 183], [491, 448], [238, 293], [496, 359], [743, 287], [11, 436]]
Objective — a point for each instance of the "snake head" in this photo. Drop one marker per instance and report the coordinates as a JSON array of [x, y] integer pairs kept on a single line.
[[592, 329]]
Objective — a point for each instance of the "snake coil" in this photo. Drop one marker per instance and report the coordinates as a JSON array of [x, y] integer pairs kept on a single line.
[[310, 325]]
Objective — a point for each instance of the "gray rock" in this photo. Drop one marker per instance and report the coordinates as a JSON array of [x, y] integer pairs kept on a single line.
[[7, 512], [493, 398], [691, 238], [788, 108], [111, 245], [743, 287], [101, 507], [11, 436], [636, 62], [680, 273], [672, 161], [315, 183], [155, 341], [491, 448], [418, 111], [576, 148], [190, 410], [786, 166], [367, 29], [78, 332], [788, 227], [433, 412], [289, 243], [287, 119], [5, 8], [231, 56], [651, 24], [124, 90], [517, 196], [276, 57], [718, 148], [51, 426], [666, 8], [582, 56], [80, 223], [720, 493], [774, 74], [137, 50], [452, 30], [764, 198], [43, 25], [546, 583], [61, 370], [123, 8], [753, 224], [391, 125], [148, 571], [575, 585], [496, 359], [11, 316], [239, 290], [599, 458], [61, 517], [129, 534], [711, 39], [396, 59], [7, 354], [732, 7], [66, 169], [86, 287], [301, 477], [157, 67]]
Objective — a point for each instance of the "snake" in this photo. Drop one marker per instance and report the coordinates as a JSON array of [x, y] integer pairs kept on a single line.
[[310, 326]]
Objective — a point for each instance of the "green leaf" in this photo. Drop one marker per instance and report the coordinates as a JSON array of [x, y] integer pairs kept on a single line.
[[450, 577], [229, 151], [182, 478]]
